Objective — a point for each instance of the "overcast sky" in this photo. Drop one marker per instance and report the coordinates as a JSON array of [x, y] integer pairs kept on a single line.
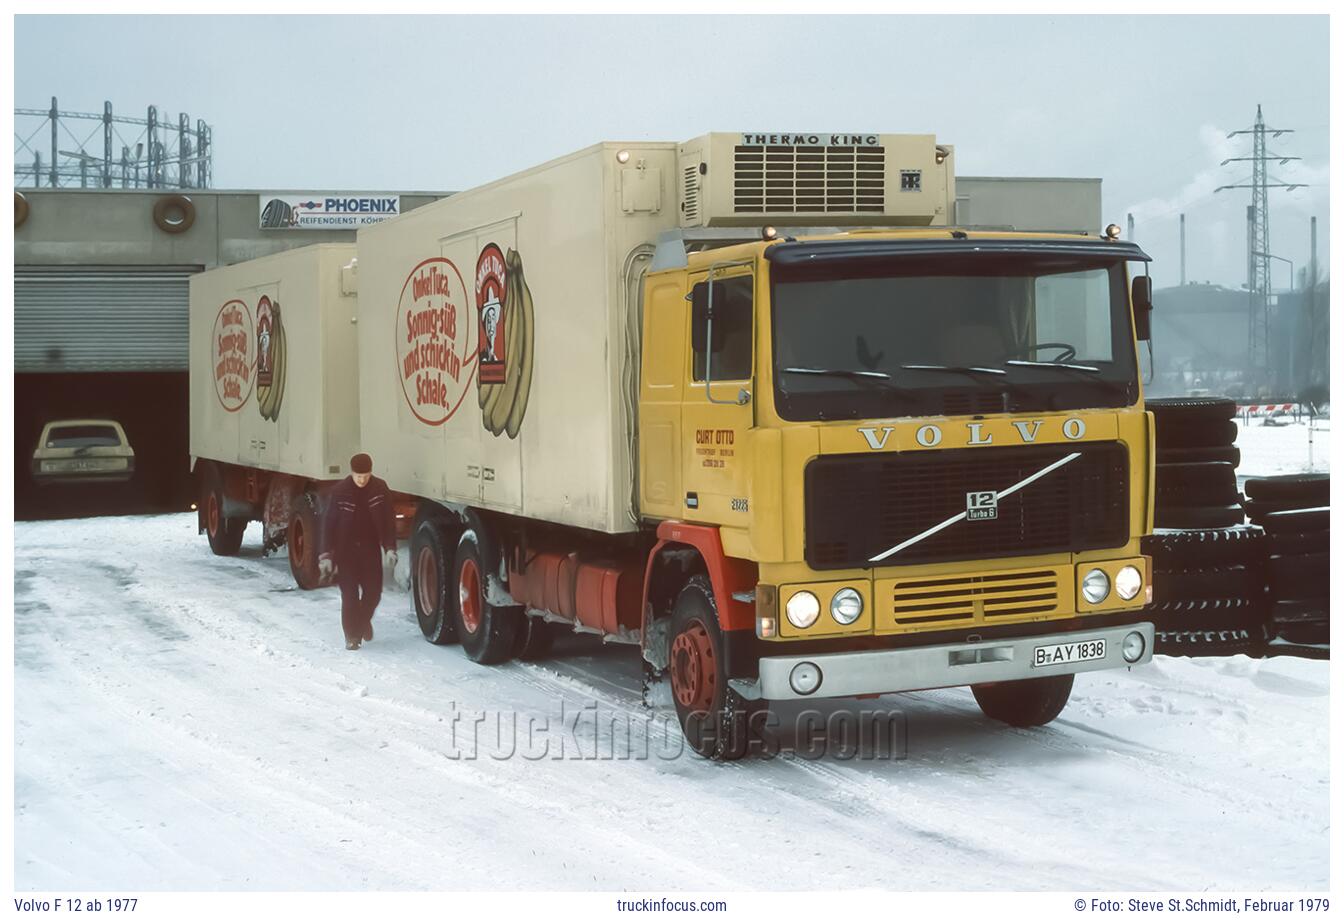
[[405, 103]]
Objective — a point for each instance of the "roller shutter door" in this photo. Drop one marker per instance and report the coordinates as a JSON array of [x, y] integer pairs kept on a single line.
[[90, 319]]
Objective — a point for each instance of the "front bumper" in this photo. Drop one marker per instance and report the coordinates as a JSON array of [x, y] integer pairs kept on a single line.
[[928, 667]]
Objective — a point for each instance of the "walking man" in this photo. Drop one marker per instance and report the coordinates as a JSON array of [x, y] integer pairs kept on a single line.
[[360, 538]]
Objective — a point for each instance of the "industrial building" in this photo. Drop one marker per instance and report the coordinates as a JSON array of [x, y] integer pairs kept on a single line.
[[100, 304]]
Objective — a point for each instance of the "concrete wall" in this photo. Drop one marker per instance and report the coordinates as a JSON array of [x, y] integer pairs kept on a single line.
[[1060, 205], [116, 227]]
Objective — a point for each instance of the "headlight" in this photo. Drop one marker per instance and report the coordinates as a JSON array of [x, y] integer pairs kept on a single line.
[[1128, 581], [846, 606], [1096, 586], [803, 609]]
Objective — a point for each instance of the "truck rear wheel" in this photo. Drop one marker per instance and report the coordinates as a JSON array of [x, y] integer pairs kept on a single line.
[[716, 720], [225, 534], [301, 541], [488, 634], [1025, 703], [431, 568]]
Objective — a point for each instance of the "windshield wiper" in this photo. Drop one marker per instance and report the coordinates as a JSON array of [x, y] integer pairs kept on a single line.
[[839, 372], [954, 368], [1073, 367]]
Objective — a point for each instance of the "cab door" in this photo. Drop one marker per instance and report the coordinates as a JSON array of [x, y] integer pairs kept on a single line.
[[717, 401]]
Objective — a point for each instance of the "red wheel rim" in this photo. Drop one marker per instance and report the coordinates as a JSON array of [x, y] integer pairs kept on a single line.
[[469, 595], [427, 581], [212, 514], [694, 672], [297, 541]]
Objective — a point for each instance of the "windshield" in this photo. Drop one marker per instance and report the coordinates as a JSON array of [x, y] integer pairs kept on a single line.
[[968, 333]]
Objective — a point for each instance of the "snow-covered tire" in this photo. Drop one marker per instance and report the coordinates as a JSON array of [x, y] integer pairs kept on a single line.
[[1300, 490], [1315, 632], [488, 633], [225, 534], [1025, 703], [1185, 484], [431, 581], [717, 721], [301, 543], [1191, 408], [1230, 455], [1201, 548], [535, 639], [1198, 518], [1303, 610]]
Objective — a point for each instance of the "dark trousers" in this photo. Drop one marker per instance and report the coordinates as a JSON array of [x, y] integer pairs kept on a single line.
[[361, 580]]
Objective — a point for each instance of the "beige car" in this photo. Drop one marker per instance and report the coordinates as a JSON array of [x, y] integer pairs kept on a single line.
[[83, 450]]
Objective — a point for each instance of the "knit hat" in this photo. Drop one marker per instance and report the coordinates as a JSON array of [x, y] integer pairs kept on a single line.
[[361, 463]]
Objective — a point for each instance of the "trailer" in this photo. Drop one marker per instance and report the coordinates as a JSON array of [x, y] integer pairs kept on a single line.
[[752, 403]]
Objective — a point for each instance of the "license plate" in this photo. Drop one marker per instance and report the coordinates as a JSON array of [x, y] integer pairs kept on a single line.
[[1045, 656], [83, 466]]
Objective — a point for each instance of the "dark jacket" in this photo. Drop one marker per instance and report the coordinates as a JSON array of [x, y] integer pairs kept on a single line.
[[338, 534]]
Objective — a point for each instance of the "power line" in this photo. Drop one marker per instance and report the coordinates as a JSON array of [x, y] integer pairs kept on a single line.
[[1258, 253]]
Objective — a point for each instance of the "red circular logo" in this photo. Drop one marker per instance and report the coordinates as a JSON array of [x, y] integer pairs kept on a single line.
[[230, 351], [435, 339]]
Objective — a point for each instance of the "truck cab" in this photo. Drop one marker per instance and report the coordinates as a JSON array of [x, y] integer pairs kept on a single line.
[[930, 446]]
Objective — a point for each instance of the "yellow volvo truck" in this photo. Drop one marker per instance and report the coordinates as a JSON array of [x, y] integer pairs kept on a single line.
[[752, 403]]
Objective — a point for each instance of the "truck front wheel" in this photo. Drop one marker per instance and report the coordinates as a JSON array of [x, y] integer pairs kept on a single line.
[[1025, 703], [716, 720], [489, 634]]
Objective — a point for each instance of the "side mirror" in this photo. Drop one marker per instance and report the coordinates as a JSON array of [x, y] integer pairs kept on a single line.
[[1141, 295]]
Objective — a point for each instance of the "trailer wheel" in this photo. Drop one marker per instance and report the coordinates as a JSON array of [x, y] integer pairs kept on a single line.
[[1025, 703], [225, 534], [716, 720], [301, 541], [431, 567], [487, 633]]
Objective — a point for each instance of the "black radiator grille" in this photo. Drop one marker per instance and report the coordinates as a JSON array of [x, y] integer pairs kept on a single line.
[[859, 506]]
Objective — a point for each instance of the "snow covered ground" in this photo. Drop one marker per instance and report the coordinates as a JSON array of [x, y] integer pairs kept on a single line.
[[1270, 447], [184, 721]]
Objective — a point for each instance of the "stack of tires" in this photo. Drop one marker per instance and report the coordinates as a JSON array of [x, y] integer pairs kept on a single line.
[[1207, 582], [1294, 512], [1196, 463]]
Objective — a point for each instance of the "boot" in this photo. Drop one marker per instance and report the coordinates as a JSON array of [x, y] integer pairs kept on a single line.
[[351, 645], [368, 632]]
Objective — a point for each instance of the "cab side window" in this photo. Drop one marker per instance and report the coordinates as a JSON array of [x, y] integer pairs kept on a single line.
[[730, 350]]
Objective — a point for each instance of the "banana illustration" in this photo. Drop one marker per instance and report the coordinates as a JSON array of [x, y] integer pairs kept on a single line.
[[527, 322], [281, 363], [269, 397], [513, 337]]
